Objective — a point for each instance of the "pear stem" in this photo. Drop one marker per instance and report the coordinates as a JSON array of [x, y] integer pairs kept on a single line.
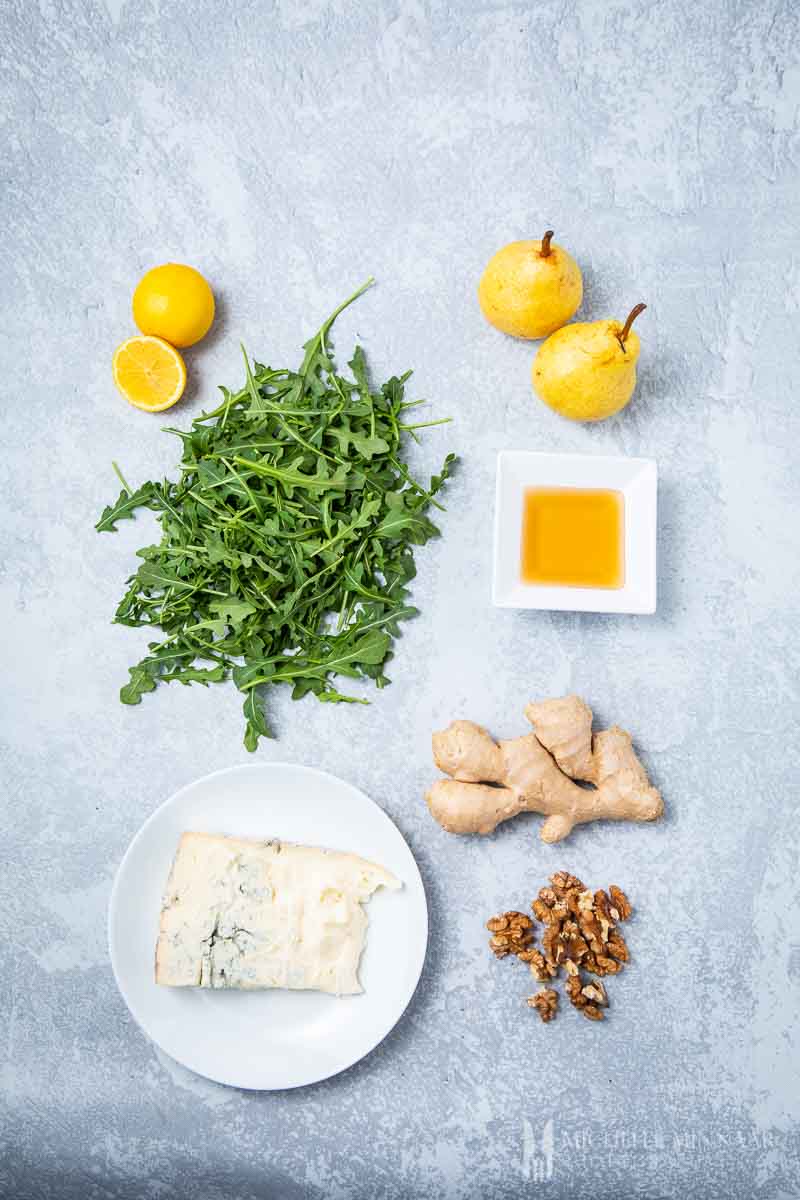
[[545, 250], [626, 328]]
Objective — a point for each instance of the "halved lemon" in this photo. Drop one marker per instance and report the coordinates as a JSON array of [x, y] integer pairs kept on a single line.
[[150, 373]]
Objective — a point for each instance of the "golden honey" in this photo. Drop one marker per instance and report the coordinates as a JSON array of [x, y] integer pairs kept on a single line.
[[573, 537]]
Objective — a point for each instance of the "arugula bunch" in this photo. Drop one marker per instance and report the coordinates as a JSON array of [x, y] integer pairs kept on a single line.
[[287, 540]]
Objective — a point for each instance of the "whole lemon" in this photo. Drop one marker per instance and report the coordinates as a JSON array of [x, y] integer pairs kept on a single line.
[[174, 302], [530, 288]]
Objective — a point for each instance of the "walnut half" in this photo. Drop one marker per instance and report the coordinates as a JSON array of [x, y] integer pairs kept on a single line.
[[621, 907], [589, 998], [545, 1002], [511, 932]]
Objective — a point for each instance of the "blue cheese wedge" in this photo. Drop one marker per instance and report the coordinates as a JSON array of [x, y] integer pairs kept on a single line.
[[248, 914]]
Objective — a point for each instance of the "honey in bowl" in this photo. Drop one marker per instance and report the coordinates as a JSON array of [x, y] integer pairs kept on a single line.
[[573, 537]]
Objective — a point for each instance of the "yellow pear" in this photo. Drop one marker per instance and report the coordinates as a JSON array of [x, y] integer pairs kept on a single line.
[[587, 371], [530, 288]]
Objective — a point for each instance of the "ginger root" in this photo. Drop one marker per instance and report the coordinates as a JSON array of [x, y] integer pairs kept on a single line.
[[493, 781]]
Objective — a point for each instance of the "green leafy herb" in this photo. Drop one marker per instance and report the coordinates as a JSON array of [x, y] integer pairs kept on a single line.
[[287, 539]]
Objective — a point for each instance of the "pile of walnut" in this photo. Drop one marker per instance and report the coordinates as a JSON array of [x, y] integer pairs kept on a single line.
[[580, 935]]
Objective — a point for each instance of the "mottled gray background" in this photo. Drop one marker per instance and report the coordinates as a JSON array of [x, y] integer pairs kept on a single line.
[[289, 150]]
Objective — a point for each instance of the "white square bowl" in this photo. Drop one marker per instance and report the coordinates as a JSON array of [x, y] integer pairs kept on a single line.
[[636, 478]]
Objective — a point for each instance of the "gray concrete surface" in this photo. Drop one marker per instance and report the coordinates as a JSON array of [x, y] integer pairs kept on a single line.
[[289, 150]]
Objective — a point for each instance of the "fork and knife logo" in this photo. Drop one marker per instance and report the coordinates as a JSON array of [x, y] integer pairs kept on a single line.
[[537, 1155]]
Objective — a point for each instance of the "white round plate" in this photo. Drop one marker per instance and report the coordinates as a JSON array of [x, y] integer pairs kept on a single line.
[[269, 1039]]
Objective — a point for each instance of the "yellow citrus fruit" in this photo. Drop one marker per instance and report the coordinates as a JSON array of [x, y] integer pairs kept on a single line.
[[150, 373], [174, 302]]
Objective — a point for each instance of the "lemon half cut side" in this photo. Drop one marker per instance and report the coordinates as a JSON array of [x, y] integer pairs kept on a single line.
[[150, 373]]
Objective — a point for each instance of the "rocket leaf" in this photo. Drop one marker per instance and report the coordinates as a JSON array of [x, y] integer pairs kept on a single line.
[[287, 536]]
